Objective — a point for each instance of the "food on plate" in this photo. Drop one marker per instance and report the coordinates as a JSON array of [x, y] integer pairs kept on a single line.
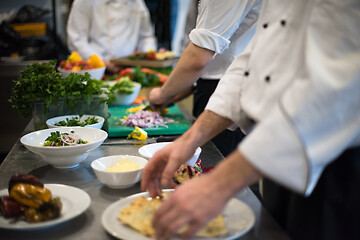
[[57, 139], [123, 165], [23, 178], [75, 121], [139, 134], [75, 62], [147, 77], [30, 195], [162, 54], [139, 215], [145, 119], [29, 200], [184, 173]]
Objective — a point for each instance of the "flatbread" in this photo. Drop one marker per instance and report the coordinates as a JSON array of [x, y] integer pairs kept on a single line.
[[139, 215]]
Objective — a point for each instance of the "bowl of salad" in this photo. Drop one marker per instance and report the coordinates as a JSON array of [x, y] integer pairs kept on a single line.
[[90, 121], [64, 147], [123, 91]]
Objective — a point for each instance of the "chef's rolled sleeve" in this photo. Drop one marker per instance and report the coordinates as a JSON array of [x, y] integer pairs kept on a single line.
[[210, 40]]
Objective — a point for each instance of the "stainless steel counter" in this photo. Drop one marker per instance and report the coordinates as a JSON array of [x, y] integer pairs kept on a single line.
[[88, 225]]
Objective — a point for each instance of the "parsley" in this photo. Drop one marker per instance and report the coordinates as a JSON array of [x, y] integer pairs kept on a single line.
[[41, 82]]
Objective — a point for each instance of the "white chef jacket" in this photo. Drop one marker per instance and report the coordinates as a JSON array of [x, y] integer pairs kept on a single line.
[[225, 27], [109, 28], [299, 79]]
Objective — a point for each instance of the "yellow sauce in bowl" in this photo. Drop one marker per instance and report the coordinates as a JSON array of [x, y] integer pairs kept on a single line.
[[123, 166]]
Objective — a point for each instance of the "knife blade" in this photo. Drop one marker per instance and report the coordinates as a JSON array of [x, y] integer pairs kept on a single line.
[[139, 142]]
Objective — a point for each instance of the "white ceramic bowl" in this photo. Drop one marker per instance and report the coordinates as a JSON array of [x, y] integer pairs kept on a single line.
[[118, 180], [52, 121], [66, 156], [127, 99], [149, 150], [95, 73]]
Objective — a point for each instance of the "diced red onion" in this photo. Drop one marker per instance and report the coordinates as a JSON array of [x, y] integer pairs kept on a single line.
[[145, 119]]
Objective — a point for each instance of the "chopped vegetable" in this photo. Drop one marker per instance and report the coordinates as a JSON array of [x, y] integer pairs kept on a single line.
[[135, 109], [75, 121], [57, 139], [138, 133], [145, 119]]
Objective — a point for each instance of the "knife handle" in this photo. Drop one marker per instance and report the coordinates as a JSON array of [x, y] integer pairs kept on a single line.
[[167, 138]]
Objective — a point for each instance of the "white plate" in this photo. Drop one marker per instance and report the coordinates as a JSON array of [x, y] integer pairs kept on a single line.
[[74, 202], [149, 150], [238, 216]]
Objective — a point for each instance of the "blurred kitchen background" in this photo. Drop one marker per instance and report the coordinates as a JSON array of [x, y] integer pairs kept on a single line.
[[36, 31]]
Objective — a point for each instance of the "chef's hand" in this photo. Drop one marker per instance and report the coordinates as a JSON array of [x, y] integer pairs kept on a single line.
[[111, 67], [192, 204], [157, 100], [161, 167], [200, 199]]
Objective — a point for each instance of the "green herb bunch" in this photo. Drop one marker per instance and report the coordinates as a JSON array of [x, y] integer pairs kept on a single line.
[[41, 82], [36, 82], [76, 86]]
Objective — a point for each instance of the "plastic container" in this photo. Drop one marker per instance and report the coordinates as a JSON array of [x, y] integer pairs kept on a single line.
[[95, 107]]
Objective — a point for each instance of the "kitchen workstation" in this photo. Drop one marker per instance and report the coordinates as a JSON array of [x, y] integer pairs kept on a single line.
[[179, 119], [75, 170]]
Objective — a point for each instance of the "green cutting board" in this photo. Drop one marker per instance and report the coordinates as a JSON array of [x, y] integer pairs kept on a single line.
[[115, 129]]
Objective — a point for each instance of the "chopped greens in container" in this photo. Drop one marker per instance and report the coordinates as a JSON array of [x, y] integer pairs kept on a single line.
[[75, 121], [124, 86], [57, 139]]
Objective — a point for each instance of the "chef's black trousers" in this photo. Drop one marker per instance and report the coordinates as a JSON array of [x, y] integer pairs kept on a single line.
[[331, 212], [227, 140]]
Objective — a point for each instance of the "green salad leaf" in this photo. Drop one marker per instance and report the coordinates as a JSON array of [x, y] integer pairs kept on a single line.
[[124, 86], [57, 139], [75, 121]]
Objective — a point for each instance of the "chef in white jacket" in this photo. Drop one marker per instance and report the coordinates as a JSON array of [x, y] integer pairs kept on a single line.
[[110, 29], [223, 30], [295, 91]]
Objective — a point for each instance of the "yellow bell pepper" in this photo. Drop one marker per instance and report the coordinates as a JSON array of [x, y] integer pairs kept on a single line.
[[138, 133], [96, 62], [74, 57], [30, 195]]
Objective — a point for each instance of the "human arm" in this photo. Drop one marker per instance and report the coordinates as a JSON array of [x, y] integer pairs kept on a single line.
[[161, 167], [78, 28], [217, 22], [189, 205], [185, 74], [112, 67], [305, 112]]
